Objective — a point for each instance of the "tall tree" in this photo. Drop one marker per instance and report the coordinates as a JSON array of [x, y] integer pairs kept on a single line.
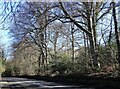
[[89, 11], [117, 33], [30, 21]]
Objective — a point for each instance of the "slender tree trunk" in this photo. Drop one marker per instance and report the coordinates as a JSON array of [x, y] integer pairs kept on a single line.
[[41, 60], [117, 33], [41, 57], [46, 48], [85, 45], [39, 64], [46, 22], [93, 18], [110, 33], [55, 42], [92, 43], [72, 33]]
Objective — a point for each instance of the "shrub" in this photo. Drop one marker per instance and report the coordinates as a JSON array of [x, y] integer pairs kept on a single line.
[[61, 64]]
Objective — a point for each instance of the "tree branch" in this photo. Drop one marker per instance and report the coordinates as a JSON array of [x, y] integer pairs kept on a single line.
[[70, 17]]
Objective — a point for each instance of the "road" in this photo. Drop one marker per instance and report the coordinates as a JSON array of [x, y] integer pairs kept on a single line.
[[23, 83]]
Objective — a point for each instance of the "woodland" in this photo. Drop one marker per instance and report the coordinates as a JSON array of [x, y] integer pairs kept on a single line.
[[61, 39]]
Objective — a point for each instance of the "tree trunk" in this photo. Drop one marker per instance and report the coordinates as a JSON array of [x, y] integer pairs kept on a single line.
[[55, 42], [41, 60], [117, 33], [72, 32], [92, 43], [85, 45], [39, 64]]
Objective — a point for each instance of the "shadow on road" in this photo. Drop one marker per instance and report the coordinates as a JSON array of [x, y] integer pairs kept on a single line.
[[23, 83]]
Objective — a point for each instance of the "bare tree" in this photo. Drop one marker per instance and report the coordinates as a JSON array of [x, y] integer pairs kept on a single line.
[[89, 12], [117, 33]]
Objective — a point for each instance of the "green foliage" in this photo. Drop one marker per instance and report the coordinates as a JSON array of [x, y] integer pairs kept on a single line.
[[107, 55], [16, 70], [61, 64], [7, 72], [11, 70], [2, 67]]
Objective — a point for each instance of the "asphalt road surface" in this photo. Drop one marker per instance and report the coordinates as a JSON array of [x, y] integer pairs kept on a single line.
[[23, 83]]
